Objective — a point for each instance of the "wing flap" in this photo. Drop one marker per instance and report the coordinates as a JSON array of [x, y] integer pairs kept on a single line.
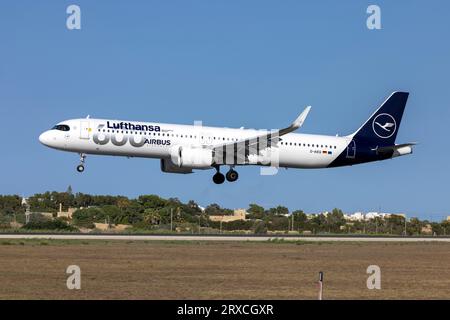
[[231, 152]]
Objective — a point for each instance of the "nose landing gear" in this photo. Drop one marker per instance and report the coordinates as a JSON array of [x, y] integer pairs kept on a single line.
[[80, 167]]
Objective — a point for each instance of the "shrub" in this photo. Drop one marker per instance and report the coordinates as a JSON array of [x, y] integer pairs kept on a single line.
[[48, 225], [260, 227]]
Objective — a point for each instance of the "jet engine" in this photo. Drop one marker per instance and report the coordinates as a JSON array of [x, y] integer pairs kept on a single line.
[[168, 166], [193, 158]]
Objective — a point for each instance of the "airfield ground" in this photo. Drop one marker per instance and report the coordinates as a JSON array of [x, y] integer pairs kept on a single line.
[[35, 269]]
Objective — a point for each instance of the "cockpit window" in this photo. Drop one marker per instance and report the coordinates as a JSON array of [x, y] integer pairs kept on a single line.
[[61, 127]]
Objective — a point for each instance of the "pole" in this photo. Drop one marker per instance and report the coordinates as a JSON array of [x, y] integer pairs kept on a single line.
[[171, 219], [320, 285], [405, 227]]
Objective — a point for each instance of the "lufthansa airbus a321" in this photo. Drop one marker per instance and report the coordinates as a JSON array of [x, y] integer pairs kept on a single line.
[[184, 148]]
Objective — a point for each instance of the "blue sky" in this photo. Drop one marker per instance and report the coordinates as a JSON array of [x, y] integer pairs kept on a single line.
[[229, 63]]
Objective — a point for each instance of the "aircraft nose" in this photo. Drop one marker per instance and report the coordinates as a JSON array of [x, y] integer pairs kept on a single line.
[[45, 138]]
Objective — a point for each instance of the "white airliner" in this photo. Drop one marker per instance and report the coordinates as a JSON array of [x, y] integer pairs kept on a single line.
[[183, 148]]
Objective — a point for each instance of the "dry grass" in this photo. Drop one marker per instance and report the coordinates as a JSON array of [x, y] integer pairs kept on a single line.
[[209, 270]]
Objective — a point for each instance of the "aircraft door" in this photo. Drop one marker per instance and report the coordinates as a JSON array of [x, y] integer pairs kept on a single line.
[[84, 129], [351, 150]]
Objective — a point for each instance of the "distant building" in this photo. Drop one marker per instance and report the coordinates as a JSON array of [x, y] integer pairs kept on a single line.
[[382, 215], [427, 229], [357, 216], [312, 215], [25, 201], [66, 214], [448, 218], [360, 216], [373, 215], [238, 214]]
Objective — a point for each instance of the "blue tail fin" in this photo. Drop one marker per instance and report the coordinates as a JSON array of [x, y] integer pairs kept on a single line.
[[383, 125]]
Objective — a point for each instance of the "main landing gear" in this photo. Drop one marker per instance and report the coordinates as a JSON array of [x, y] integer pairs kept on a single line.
[[231, 176], [80, 167]]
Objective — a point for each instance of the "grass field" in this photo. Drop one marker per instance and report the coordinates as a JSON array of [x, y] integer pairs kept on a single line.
[[35, 269]]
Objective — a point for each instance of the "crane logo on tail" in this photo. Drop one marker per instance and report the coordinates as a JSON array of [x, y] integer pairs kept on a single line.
[[384, 125]]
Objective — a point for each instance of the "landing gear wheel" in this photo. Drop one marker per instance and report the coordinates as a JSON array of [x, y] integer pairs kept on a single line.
[[232, 176], [80, 167], [218, 178]]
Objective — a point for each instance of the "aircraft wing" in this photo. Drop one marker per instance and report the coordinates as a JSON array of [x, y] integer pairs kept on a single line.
[[253, 144]]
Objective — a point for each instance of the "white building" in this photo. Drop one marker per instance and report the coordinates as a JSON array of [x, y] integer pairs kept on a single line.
[[357, 216]]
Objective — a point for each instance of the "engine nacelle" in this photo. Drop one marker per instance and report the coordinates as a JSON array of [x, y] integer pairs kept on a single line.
[[168, 166], [193, 158]]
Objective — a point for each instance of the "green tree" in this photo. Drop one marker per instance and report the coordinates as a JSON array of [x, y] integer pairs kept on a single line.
[[152, 201], [334, 220], [414, 226], [213, 210], [152, 216], [300, 220], [259, 227], [86, 217], [279, 210], [279, 223], [255, 211], [10, 205]]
